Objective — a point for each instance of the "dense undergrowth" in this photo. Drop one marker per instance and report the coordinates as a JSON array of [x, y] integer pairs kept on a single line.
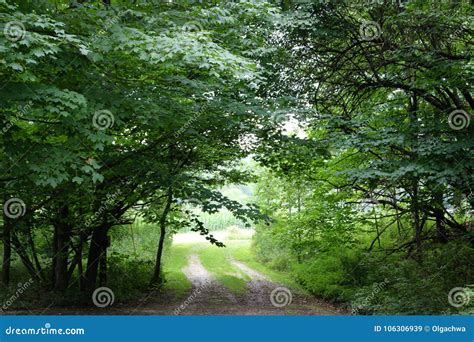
[[374, 282]]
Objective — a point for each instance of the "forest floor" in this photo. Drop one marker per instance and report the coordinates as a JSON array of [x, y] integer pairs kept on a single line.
[[202, 279]]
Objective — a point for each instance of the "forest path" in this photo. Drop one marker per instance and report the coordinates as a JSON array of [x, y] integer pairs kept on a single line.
[[226, 281], [261, 296], [206, 291]]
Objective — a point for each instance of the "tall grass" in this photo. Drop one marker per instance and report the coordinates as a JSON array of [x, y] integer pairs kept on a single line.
[[218, 221]]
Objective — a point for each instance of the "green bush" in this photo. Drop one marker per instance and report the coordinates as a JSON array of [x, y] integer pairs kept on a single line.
[[334, 275], [422, 287], [374, 282], [270, 247], [128, 276]]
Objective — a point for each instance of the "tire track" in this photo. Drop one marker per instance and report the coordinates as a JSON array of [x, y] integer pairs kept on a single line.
[[206, 291]]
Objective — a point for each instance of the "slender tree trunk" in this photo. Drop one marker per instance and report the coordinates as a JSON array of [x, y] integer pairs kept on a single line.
[[399, 225], [81, 271], [34, 254], [418, 226], [415, 208], [441, 226], [299, 198], [77, 261], [7, 250], [25, 259], [103, 263], [98, 241], [156, 279], [376, 221], [55, 252], [63, 233], [440, 219]]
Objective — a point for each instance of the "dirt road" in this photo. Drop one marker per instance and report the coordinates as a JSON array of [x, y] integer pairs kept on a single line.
[[208, 296], [262, 297]]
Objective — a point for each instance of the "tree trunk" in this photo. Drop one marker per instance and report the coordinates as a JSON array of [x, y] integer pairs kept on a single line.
[[34, 254], [78, 261], [7, 250], [55, 252], [418, 226], [376, 221], [156, 279], [415, 205], [62, 234], [21, 251], [103, 263], [98, 243], [440, 219]]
